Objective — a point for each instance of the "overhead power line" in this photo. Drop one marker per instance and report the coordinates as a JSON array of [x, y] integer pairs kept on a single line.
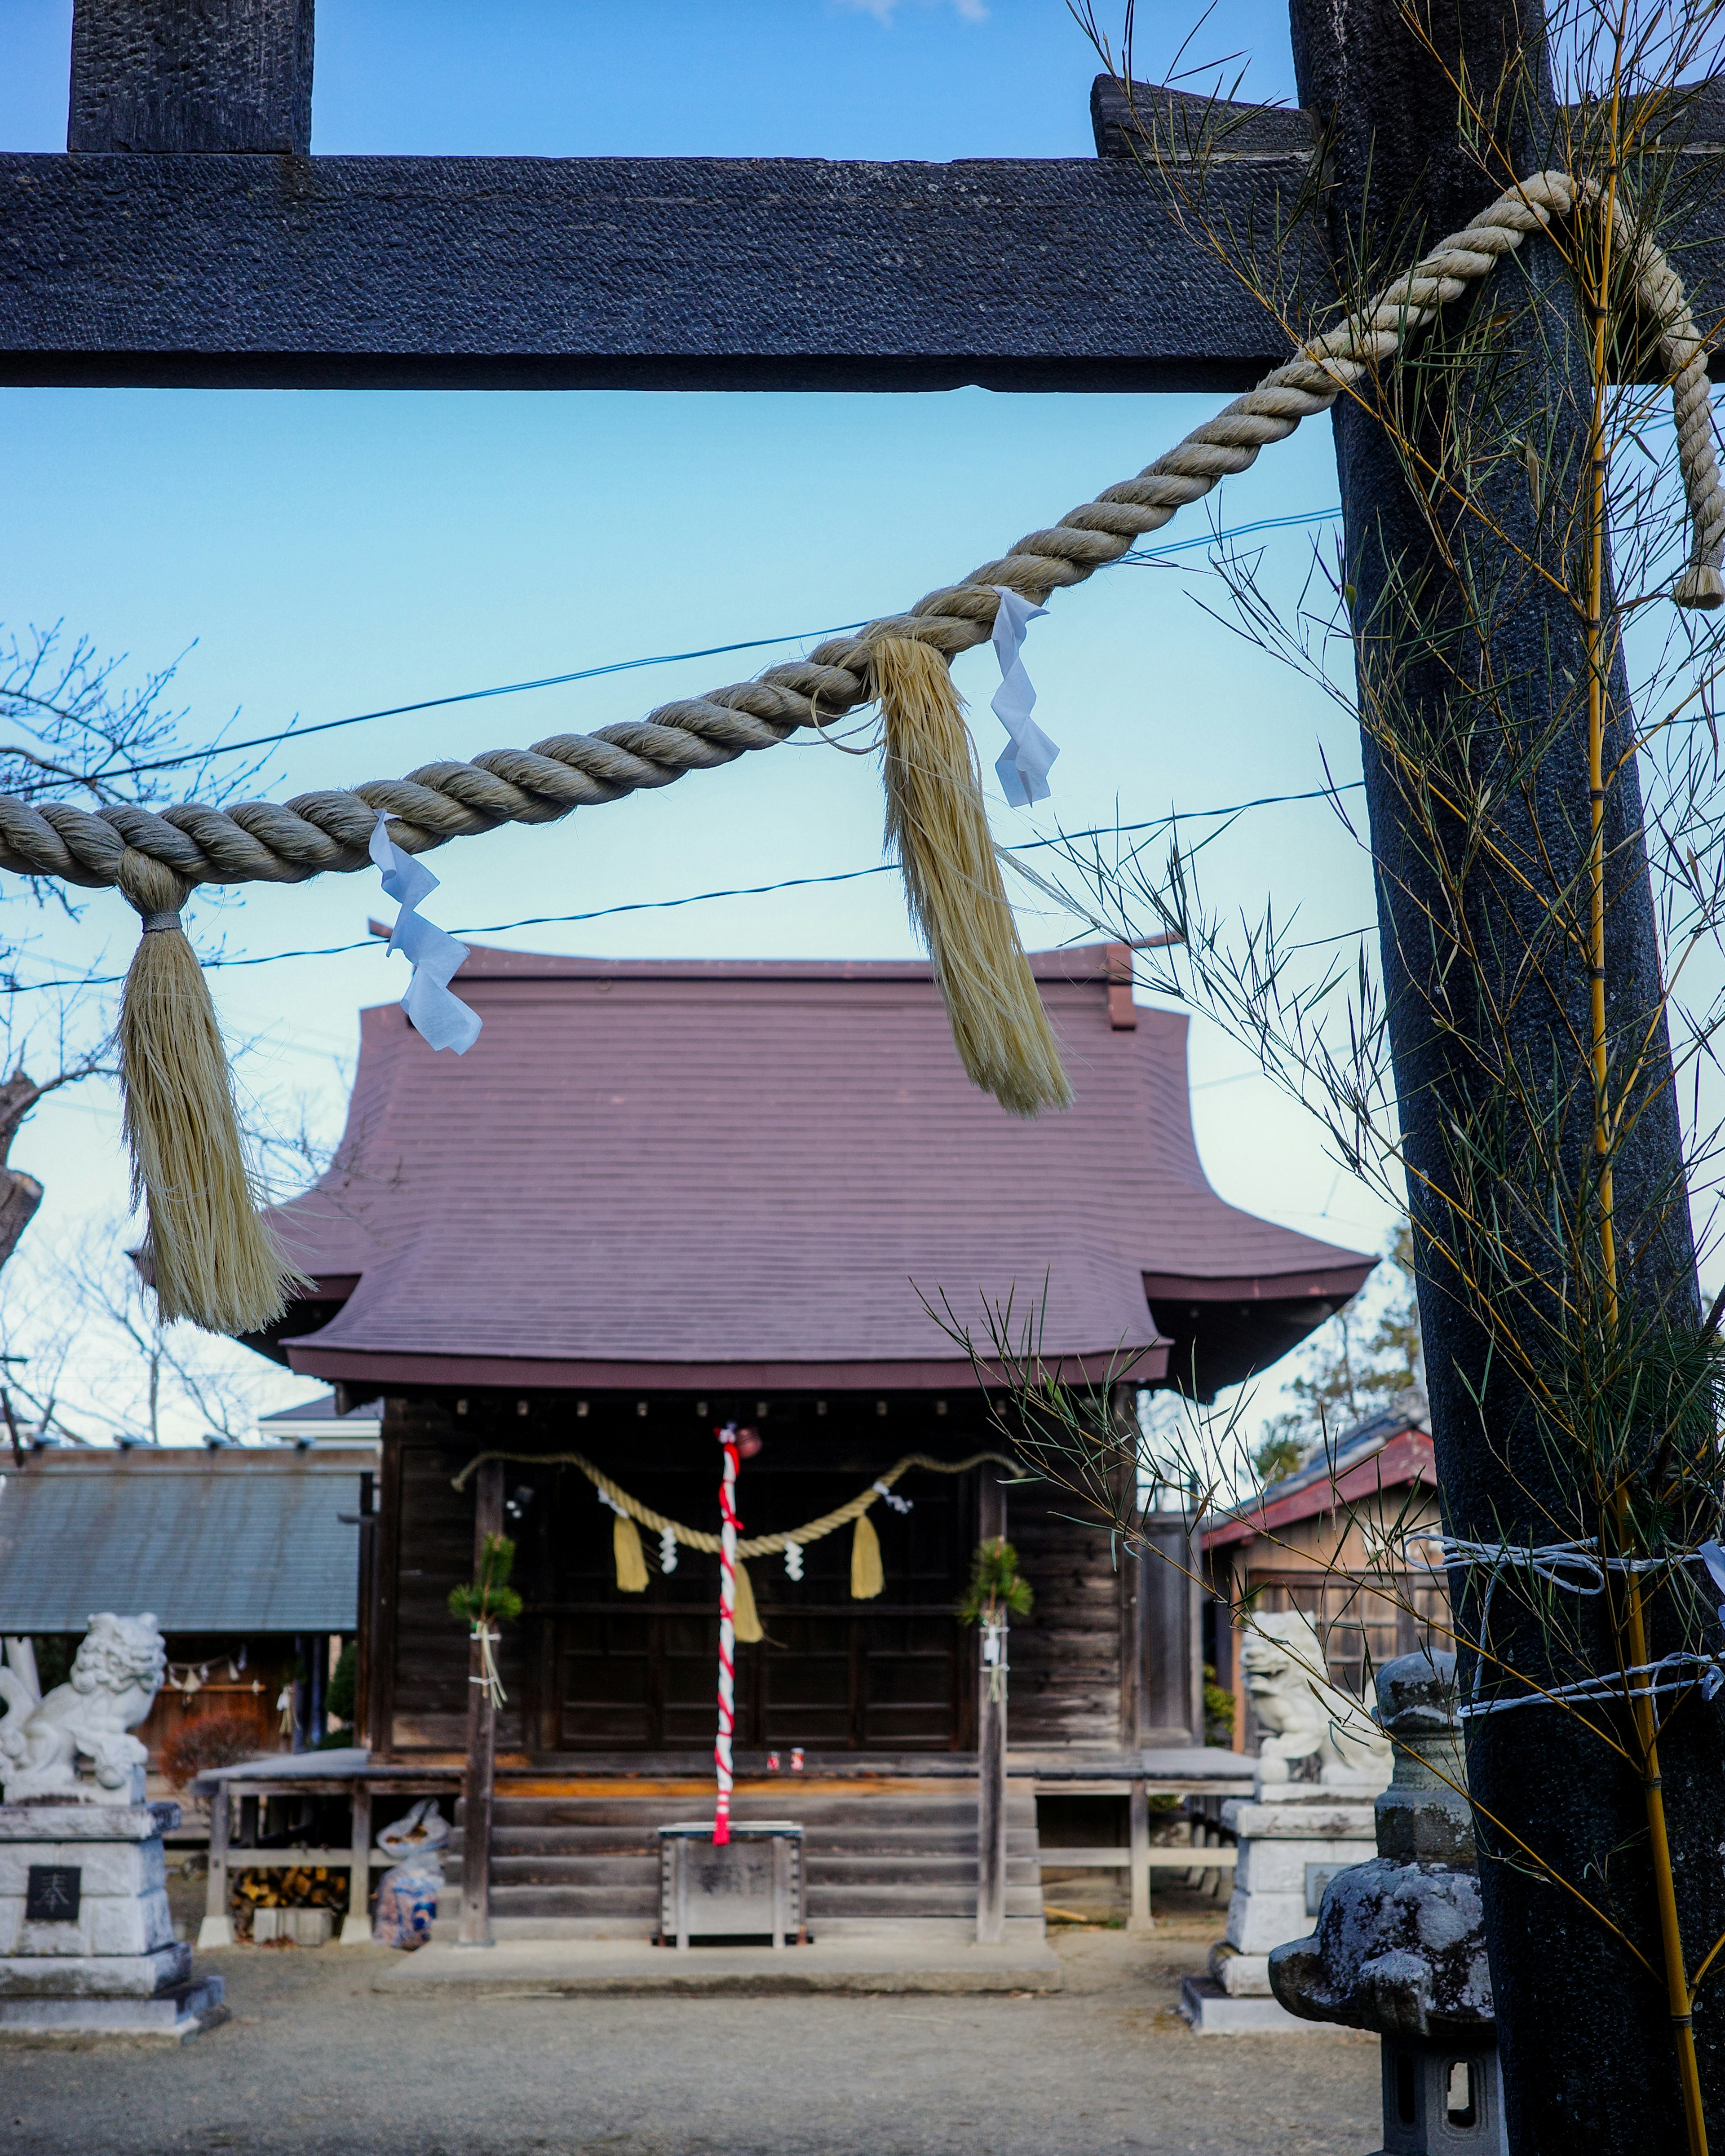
[[740, 890], [294, 733], [1235, 531], [466, 696]]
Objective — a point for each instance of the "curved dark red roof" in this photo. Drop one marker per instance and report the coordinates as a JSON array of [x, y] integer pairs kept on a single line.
[[686, 1172]]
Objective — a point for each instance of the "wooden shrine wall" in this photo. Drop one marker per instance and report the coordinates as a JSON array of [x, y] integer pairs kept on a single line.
[[1069, 1661], [589, 1670]]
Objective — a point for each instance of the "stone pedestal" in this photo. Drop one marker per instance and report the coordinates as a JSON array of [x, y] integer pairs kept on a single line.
[[1294, 1837], [87, 1945]]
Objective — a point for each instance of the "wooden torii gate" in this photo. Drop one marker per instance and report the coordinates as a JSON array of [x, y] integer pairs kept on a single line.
[[188, 240]]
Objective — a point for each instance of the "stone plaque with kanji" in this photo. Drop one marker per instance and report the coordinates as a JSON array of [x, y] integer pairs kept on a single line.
[[52, 1894]]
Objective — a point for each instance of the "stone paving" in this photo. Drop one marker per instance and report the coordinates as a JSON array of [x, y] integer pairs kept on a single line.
[[318, 2062]]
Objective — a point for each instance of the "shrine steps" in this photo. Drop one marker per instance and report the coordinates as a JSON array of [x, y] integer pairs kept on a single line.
[[580, 1865]]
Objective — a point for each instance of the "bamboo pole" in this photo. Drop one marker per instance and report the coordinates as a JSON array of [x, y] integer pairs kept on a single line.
[[1680, 1997]]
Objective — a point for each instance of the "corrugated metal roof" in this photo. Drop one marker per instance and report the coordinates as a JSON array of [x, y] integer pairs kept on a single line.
[[360, 1421], [234, 1542]]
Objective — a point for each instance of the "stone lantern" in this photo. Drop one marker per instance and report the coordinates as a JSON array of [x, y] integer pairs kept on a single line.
[[1400, 1945]]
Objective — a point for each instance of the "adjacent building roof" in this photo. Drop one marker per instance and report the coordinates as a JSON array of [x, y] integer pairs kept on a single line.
[[324, 1420], [685, 1172], [236, 1541], [1389, 1451]]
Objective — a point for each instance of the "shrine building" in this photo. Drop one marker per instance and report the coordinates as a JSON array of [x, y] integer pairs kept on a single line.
[[656, 1197]]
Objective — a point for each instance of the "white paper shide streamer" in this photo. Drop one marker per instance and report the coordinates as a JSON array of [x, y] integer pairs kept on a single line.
[[441, 1019], [1023, 767]]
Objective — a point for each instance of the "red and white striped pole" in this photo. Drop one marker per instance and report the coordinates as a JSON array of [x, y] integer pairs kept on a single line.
[[727, 1635]]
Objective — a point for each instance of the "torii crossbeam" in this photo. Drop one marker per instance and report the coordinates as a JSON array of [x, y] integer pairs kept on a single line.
[[188, 240]]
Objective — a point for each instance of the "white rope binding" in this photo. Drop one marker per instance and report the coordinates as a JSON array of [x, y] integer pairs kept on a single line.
[[995, 1656], [1578, 1567], [485, 1640]]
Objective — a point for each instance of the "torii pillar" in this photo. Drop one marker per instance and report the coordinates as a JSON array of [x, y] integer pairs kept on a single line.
[[1586, 2037]]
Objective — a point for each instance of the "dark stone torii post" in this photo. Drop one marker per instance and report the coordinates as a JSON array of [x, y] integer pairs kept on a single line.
[[188, 239], [1586, 2040]]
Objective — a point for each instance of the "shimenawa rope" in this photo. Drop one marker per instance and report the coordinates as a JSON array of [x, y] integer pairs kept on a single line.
[[263, 841], [619, 1498], [267, 842]]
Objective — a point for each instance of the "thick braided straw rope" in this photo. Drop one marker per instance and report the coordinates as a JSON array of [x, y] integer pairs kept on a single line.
[[262, 841], [697, 1538]]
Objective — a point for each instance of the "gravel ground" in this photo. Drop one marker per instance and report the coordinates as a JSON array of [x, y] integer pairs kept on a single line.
[[316, 2062]]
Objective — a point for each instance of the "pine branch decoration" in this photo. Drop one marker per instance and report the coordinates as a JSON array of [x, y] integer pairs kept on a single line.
[[996, 1586], [491, 1599]]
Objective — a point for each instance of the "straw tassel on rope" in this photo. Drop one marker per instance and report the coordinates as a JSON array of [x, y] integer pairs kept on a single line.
[[937, 825], [868, 1575], [626, 1549], [328, 830], [935, 811], [745, 1618], [212, 1259]]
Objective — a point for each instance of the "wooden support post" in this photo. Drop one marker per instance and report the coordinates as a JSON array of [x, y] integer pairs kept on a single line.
[[365, 1621], [548, 1718], [991, 1754], [357, 1926], [781, 1888], [317, 1677], [1193, 1566], [385, 1600], [1172, 1695], [217, 1929], [481, 1738], [1237, 1681], [1139, 1918], [298, 1691], [157, 75]]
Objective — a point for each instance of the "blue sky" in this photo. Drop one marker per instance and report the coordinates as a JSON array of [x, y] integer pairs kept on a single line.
[[317, 554], [770, 78]]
